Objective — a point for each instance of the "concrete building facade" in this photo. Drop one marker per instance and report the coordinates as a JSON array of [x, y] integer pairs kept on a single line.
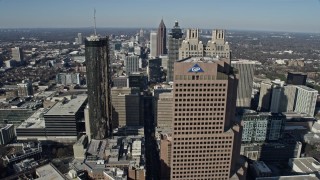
[[193, 47], [261, 127], [131, 64], [68, 78], [306, 100], [7, 133], [153, 44], [25, 89], [164, 110], [204, 96], [17, 54], [127, 106], [246, 72]]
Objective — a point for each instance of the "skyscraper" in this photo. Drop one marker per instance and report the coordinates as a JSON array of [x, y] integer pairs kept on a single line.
[[162, 39], [131, 64], [306, 99], [296, 78], [174, 43], [17, 54], [99, 83], [204, 96], [80, 38], [246, 71], [193, 47], [153, 44]]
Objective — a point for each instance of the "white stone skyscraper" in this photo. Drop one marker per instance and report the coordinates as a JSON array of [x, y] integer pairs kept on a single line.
[[193, 47], [245, 70], [153, 44]]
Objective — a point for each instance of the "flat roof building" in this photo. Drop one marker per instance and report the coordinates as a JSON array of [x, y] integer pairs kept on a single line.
[[204, 97], [64, 119]]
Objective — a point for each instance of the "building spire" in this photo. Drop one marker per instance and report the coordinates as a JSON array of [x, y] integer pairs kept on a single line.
[[95, 24]]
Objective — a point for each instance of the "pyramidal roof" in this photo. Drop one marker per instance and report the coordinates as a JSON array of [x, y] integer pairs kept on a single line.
[[162, 24]]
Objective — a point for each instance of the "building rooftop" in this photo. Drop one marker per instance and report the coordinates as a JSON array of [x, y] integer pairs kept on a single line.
[[244, 61], [14, 116], [307, 88], [36, 120], [305, 165], [262, 167], [97, 147], [67, 107], [95, 38], [295, 177], [5, 126], [200, 59], [49, 172]]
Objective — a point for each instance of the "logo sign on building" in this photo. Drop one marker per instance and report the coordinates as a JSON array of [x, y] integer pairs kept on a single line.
[[196, 68]]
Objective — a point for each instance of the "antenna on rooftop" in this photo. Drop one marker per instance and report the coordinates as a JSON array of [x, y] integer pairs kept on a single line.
[[95, 24]]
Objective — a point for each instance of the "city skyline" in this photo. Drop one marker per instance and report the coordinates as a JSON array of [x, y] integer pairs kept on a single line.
[[272, 15]]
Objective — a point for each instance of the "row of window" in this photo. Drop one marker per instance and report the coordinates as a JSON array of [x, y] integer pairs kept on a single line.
[[200, 95], [185, 99], [198, 128], [205, 164], [199, 85], [201, 138], [198, 109], [199, 90], [202, 177], [202, 142], [197, 132], [199, 114], [199, 124], [185, 148], [199, 104]]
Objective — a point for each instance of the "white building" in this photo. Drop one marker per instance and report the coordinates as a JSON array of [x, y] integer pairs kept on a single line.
[[306, 99], [131, 64], [193, 47], [17, 54], [153, 44]]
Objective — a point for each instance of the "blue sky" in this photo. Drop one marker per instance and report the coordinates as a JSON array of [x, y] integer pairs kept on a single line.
[[274, 15]]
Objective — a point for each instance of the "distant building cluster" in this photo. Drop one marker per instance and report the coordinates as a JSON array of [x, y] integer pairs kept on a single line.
[[155, 104]]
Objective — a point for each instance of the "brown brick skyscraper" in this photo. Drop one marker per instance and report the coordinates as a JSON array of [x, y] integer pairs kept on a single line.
[[162, 39], [204, 97]]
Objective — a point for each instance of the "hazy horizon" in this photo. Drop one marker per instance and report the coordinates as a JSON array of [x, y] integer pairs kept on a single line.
[[246, 15]]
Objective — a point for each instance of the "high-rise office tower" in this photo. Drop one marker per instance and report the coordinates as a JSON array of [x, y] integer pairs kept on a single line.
[[277, 93], [306, 99], [25, 88], [174, 43], [193, 47], [17, 54], [246, 72], [162, 39], [204, 96], [99, 83], [154, 70], [127, 106], [164, 110], [131, 64], [153, 44], [80, 38], [265, 96]]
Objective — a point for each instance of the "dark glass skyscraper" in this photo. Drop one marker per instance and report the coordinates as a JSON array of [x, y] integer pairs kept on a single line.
[[99, 83], [174, 43], [161, 39]]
